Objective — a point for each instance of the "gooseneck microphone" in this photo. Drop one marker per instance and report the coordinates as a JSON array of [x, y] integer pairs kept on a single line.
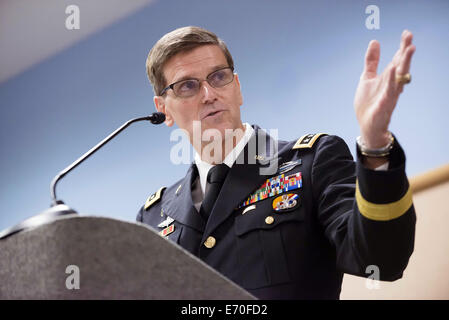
[[58, 207], [155, 118]]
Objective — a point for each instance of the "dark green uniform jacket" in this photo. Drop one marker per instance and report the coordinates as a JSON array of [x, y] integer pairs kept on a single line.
[[339, 217]]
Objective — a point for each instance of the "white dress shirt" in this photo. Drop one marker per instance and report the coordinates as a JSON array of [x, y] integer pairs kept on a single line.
[[200, 186]]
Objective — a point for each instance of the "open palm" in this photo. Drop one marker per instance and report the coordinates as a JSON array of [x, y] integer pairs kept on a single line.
[[377, 94]]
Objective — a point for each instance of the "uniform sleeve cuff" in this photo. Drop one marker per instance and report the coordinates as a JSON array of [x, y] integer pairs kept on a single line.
[[383, 195]]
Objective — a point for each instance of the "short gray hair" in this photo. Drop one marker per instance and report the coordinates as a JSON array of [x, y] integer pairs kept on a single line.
[[179, 40]]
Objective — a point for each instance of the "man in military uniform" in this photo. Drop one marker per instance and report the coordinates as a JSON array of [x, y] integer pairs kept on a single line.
[[284, 220]]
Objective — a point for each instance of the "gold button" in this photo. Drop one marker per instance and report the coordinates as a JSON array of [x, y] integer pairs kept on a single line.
[[210, 242], [269, 220]]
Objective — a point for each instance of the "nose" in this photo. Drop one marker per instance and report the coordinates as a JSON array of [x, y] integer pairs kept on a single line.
[[207, 92]]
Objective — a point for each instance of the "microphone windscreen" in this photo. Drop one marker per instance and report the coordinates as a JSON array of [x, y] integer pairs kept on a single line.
[[157, 118]]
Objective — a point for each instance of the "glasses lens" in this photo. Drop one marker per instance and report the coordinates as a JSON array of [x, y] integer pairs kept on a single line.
[[186, 88], [220, 78]]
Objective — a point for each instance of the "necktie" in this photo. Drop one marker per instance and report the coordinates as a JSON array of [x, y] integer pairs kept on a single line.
[[215, 178]]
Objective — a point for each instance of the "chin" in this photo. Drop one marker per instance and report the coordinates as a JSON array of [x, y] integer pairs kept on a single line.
[[221, 126]]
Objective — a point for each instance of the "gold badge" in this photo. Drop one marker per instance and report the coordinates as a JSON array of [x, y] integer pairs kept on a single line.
[[285, 202]]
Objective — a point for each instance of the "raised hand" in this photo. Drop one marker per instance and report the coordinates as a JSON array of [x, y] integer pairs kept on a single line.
[[377, 94]]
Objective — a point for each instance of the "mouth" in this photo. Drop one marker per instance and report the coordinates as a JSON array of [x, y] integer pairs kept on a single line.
[[213, 114]]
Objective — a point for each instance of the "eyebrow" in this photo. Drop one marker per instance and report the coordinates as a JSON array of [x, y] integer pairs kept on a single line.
[[213, 69]]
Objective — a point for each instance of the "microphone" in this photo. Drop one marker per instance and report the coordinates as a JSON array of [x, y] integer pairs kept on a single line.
[[155, 118], [58, 207]]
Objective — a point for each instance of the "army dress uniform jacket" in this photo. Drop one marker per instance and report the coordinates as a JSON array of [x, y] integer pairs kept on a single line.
[[294, 241]]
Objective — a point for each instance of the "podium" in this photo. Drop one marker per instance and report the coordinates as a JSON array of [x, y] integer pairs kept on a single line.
[[108, 259]]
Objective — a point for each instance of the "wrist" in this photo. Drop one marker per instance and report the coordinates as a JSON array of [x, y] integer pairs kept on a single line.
[[377, 141], [375, 152]]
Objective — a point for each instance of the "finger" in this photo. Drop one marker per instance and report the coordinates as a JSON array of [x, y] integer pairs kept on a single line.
[[404, 65], [406, 41], [391, 80], [371, 60], [392, 86]]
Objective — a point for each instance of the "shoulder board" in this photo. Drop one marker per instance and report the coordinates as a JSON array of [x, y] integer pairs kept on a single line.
[[307, 141], [155, 197]]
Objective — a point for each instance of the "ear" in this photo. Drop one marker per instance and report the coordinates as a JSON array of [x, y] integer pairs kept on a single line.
[[159, 103], [236, 79]]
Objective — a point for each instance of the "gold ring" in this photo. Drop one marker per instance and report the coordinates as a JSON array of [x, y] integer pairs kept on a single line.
[[404, 79]]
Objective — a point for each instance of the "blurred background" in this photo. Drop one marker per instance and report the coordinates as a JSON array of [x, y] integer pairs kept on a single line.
[[62, 91]]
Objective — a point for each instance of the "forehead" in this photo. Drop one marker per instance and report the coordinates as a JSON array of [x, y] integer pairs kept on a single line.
[[198, 62]]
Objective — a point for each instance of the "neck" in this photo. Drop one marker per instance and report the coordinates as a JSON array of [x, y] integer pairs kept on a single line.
[[216, 150]]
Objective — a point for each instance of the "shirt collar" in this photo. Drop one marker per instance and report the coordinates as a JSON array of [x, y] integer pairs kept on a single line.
[[204, 167]]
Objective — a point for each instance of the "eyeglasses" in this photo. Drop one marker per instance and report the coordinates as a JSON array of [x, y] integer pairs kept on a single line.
[[190, 87]]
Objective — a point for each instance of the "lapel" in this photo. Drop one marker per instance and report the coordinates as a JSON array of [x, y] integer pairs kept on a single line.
[[180, 206], [245, 176]]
